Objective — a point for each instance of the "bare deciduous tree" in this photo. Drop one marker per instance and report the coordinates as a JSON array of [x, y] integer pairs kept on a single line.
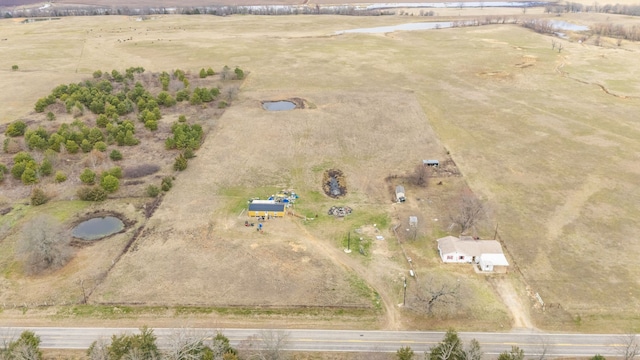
[[433, 294], [44, 244], [468, 212], [25, 347], [630, 347], [188, 344], [472, 351], [98, 350], [544, 349], [95, 159], [25, 352], [268, 345], [420, 176], [185, 344]]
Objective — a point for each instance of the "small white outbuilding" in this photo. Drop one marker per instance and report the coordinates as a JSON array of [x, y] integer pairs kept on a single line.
[[400, 197]]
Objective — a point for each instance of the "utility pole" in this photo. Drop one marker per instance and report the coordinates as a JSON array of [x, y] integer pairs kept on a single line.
[[404, 296], [348, 249]]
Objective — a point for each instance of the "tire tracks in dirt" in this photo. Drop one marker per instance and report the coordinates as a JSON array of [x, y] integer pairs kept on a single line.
[[510, 298], [392, 317]]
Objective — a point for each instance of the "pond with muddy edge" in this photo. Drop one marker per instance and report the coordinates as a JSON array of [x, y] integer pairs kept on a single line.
[[97, 228]]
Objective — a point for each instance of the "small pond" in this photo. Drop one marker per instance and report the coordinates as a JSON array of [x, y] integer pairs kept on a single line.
[[563, 25], [401, 27], [282, 105], [97, 228]]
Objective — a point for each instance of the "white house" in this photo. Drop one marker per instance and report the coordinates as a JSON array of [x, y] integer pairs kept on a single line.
[[487, 254]]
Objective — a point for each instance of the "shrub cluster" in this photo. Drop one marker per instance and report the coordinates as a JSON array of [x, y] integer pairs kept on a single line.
[[16, 128], [88, 177], [109, 183], [153, 191], [38, 197], [109, 179], [115, 155], [92, 193], [203, 95], [61, 176], [185, 136], [204, 73], [167, 183], [180, 164], [3, 170], [165, 79], [25, 168], [99, 97], [78, 136], [239, 73], [122, 133]]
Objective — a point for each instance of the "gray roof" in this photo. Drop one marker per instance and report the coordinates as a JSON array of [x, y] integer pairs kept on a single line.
[[451, 244], [266, 207]]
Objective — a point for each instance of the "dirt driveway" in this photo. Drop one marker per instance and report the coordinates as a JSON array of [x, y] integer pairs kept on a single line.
[[514, 302]]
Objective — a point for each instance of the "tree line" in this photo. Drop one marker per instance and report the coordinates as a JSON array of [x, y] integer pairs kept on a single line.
[[187, 344], [600, 29], [453, 348], [217, 10], [572, 7], [182, 344]]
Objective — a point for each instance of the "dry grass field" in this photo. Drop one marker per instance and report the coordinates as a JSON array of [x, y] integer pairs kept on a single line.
[[531, 130]]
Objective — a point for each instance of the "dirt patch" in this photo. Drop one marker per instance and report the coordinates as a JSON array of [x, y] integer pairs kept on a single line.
[[334, 183], [446, 168], [527, 61]]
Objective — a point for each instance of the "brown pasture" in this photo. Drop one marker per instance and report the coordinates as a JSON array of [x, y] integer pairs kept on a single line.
[[554, 154]]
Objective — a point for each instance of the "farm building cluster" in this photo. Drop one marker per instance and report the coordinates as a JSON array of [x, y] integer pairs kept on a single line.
[[274, 207]]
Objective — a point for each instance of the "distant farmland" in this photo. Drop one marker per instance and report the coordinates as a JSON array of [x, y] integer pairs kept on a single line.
[[18, 2], [187, 3]]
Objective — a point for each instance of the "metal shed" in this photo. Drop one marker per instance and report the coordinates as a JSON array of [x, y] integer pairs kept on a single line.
[[400, 197], [434, 163]]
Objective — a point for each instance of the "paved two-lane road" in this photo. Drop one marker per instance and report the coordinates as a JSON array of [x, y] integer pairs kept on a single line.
[[568, 345]]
